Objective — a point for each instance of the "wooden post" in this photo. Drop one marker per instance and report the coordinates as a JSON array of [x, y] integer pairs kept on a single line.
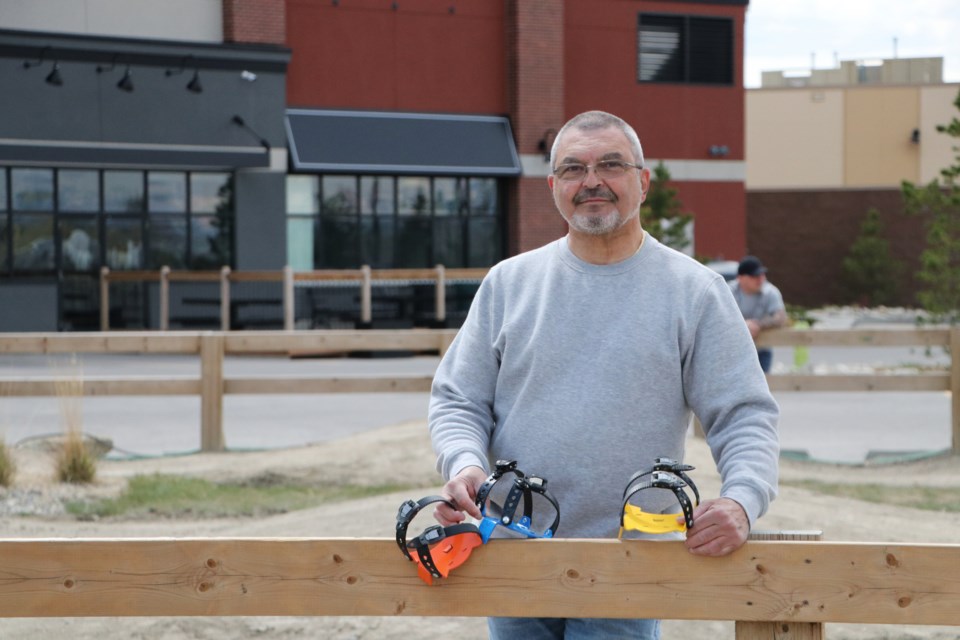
[[289, 309], [225, 298], [104, 298], [781, 630], [441, 298], [211, 392], [955, 390], [164, 298], [366, 296]]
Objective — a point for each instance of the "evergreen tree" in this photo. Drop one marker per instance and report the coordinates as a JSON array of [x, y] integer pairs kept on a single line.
[[939, 203], [870, 275], [661, 213]]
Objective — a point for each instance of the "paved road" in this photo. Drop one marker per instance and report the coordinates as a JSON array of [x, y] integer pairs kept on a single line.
[[843, 427]]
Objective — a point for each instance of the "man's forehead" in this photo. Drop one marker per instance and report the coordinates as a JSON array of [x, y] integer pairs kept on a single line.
[[609, 142]]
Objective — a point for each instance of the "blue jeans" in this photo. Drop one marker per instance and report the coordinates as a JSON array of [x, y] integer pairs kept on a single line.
[[572, 628], [766, 359]]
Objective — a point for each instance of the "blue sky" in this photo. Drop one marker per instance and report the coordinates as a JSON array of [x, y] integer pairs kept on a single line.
[[790, 34]]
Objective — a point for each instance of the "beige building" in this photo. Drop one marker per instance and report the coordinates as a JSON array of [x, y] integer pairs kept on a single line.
[[824, 147]]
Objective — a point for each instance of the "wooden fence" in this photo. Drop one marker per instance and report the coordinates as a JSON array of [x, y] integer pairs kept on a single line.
[[773, 589], [212, 347], [364, 277]]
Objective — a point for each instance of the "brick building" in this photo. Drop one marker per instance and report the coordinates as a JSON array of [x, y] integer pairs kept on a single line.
[[394, 133]]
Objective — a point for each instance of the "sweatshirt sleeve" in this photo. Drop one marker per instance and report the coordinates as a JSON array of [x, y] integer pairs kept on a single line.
[[461, 415], [728, 392]]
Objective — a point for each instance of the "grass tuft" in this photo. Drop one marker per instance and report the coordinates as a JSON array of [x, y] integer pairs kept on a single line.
[[75, 463], [8, 466], [168, 496], [926, 498]]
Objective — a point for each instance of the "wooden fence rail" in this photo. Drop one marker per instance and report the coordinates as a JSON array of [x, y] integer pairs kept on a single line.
[[212, 347], [364, 277], [797, 585]]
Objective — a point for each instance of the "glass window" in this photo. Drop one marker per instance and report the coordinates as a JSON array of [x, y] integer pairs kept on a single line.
[[300, 242], [4, 242], [483, 196], [79, 243], [124, 243], [210, 241], [303, 194], [123, 191], [167, 192], [450, 196], [32, 189], [167, 242], [485, 246], [414, 236], [78, 191], [336, 246], [684, 49], [448, 241], [211, 192], [376, 241], [33, 247], [413, 196], [376, 195], [339, 195]]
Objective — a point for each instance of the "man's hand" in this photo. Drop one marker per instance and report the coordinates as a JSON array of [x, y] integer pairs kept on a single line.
[[461, 490], [720, 527], [754, 327]]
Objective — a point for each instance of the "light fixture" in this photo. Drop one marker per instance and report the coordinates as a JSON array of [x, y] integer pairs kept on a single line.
[[546, 143], [719, 150], [240, 122], [249, 76], [194, 86], [53, 78], [126, 82], [915, 136]]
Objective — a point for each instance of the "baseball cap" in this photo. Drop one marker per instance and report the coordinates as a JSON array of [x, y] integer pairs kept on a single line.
[[751, 266]]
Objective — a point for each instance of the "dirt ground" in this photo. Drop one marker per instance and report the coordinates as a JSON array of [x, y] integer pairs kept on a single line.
[[379, 456]]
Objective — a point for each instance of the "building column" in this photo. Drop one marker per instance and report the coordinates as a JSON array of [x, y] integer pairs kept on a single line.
[[535, 99]]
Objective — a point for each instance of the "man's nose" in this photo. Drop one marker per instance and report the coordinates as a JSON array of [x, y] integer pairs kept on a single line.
[[592, 178]]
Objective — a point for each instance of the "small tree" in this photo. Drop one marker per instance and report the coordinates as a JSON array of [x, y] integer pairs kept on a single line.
[[870, 275], [661, 213], [939, 203]]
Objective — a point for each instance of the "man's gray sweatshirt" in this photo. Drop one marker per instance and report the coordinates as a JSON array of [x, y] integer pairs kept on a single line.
[[585, 373]]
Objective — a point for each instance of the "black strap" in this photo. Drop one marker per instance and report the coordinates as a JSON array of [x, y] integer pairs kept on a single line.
[[663, 480], [667, 464], [523, 487], [407, 512], [432, 535]]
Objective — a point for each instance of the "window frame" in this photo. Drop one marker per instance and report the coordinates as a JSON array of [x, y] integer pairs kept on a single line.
[[688, 61]]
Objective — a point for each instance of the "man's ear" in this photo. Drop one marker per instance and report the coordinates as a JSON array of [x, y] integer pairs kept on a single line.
[[644, 182], [550, 181]]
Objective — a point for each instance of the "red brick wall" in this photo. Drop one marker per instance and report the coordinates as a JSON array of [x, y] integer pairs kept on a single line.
[[535, 89], [254, 21], [803, 237], [423, 55]]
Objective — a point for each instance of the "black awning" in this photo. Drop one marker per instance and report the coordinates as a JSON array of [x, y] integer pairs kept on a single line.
[[401, 143], [125, 154]]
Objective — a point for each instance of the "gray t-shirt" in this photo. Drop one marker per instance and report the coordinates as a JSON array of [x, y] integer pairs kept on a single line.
[[757, 306], [585, 373]]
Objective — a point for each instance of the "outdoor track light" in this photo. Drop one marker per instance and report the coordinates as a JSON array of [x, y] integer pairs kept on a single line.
[[53, 78], [194, 86], [546, 143], [126, 82]]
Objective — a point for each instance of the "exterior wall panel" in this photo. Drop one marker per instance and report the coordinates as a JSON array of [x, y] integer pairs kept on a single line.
[[795, 138], [877, 146], [937, 150]]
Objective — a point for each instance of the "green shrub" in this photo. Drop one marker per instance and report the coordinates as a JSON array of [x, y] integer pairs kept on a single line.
[[870, 275]]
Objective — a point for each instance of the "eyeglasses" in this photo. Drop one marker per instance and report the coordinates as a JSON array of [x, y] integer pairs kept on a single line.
[[605, 170]]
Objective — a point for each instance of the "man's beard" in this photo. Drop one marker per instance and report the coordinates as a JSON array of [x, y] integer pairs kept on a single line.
[[596, 224]]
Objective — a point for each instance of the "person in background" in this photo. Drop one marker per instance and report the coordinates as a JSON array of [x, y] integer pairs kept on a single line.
[[583, 361], [760, 303]]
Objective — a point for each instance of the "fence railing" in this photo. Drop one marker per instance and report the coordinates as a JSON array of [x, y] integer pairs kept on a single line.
[[212, 347], [774, 589], [364, 277]]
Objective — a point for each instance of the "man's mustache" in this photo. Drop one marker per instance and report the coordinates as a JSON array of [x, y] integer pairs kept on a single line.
[[597, 192]]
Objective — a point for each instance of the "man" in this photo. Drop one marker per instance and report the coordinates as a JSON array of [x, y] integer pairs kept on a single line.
[[760, 303], [583, 359]]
